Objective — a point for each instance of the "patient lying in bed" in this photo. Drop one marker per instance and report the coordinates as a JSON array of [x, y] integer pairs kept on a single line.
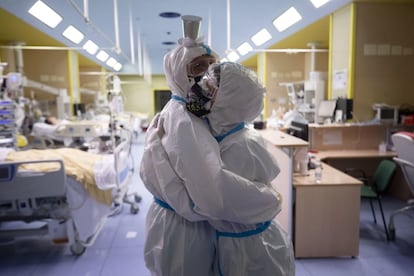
[[95, 172]]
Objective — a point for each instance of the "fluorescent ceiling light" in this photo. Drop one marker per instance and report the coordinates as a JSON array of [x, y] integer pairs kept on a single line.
[[244, 49], [111, 62], [233, 56], [102, 56], [90, 47], [261, 37], [73, 34], [319, 3], [117, 66], [45, 14], [287, 19]]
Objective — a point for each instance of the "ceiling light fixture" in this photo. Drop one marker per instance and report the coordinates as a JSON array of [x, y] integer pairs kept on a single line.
[[73, 34], [45, 14], [102, 56], [261, 37], [111, 62], [244, 49], [319, 3], [90, 47], [287, 19], [117, 66], [233, 56]]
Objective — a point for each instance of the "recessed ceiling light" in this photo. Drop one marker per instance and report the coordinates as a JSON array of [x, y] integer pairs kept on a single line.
[[244, 49], [319, 3], [102, 56], [73, 34], [111, 62], [117, 66], [168, 43], [287, 19], [90, 47], [261, 37], [170, 14], [45, 14], [233, 56]]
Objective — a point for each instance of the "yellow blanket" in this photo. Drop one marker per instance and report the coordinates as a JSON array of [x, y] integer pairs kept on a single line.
[[78, 164]]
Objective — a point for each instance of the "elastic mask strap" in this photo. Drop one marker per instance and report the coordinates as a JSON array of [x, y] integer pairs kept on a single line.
[[208, 50]]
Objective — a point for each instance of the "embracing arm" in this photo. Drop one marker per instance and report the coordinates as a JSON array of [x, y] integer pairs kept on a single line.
[[217, 193], [159, 177]]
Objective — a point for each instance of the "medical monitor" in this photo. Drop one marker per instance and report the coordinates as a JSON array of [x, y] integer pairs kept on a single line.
[[386, 113], [299, 130]]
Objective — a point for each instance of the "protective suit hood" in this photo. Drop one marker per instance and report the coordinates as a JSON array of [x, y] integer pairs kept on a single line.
[[176, 61], [239, 97]]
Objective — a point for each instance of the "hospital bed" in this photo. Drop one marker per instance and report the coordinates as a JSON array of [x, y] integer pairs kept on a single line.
[[68, 132], [62, 194], [65, 133]]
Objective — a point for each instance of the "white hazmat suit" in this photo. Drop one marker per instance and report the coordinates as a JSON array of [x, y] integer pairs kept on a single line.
[[181, 167], [246, 249]]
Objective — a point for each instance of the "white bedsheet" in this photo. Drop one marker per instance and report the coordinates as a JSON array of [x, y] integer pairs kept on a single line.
[[41, 129], [97, 172], [86, 212]]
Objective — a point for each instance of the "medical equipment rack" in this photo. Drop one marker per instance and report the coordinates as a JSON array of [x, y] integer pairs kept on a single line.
[[7, 124]]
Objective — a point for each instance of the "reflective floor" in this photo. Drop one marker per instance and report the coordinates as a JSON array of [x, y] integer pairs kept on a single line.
[[118, 249]]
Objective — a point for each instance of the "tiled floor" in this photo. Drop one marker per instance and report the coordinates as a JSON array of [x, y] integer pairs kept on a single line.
[[118, 249]]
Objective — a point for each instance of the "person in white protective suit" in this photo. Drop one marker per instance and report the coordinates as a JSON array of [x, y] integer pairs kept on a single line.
[[237, 99], [181, 167]]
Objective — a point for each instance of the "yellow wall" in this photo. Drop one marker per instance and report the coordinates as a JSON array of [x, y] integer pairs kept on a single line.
[[341, 52], [139, 94], [384, 56], [282, 68]]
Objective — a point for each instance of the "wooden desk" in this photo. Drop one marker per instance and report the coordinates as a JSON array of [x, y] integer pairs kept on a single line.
[[368, 160], [327, 214], [346, 154], [282, 139], [326, 219]]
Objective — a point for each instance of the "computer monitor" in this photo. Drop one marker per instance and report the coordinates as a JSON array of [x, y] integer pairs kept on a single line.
[[79, 109], [326, 109], [299, 130], [345, 105]]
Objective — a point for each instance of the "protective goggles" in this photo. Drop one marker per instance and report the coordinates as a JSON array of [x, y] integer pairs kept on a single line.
[[200, 65]]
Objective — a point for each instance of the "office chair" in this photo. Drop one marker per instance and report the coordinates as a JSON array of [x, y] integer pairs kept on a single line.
[[404, 146], [374, 188]]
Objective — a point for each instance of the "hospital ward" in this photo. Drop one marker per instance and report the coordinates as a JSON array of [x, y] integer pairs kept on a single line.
[[216, 138]]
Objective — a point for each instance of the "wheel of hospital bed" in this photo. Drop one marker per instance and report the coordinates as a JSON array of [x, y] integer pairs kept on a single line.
[[134, 209], [133, 206], [77, 248], [137, 198]]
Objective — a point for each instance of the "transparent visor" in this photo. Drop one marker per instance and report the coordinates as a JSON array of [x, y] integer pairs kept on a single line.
[[210, 81], [200, 65]]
